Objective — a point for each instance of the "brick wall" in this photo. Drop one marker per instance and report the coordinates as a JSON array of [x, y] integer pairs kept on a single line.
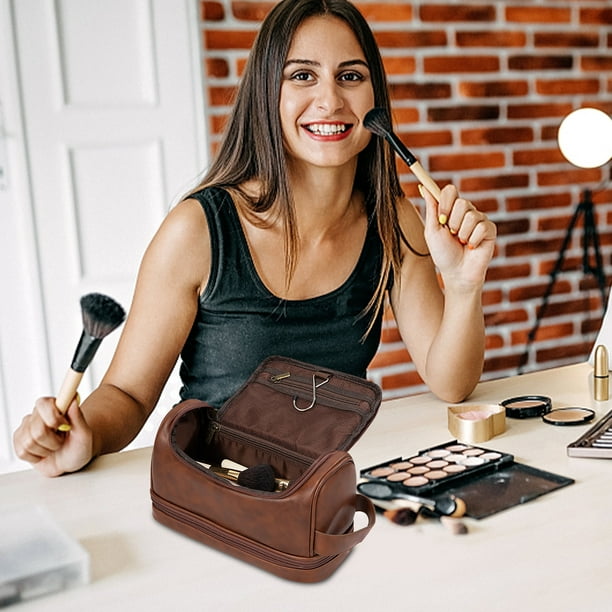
[[479, 90]]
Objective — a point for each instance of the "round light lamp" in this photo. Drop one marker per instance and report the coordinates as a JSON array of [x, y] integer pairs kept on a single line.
[[585, 138]]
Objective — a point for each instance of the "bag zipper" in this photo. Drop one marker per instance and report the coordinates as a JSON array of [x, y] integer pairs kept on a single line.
[[270, 555], [215, 427]]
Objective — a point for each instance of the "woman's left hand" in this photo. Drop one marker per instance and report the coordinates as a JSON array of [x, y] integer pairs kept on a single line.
[[460, 238]]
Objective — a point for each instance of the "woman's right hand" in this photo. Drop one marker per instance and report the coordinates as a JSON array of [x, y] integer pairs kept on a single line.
[[54, 443]]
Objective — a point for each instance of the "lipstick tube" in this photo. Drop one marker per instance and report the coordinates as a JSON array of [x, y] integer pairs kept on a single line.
[[601, 375]]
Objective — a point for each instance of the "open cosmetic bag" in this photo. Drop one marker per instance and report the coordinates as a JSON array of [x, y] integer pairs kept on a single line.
[[300, 420]]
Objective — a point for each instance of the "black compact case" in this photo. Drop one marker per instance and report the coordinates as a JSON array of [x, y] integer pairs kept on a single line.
[[487, 480]]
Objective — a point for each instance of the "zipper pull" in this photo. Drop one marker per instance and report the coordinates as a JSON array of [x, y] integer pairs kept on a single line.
[[213, 428], [279, 377]]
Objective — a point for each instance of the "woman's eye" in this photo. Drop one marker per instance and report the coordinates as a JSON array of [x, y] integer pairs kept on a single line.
[[351, 77], [301, 76]]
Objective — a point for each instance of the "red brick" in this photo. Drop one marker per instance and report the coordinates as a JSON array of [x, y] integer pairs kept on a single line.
[[251, 11], [536, 291], [493, 89], [398, 381], [499, 181], [411, 39], [229, 39], [491, 38], [446, 64], [566, 39], [212, 11], [564, 87], [506, 271], [453, 13], [602, 16], [466, 161], [399, 65], [540, 62], [537, 201], [420, 91], [430, 138], [496, 135], [570, 176], [536, 14], [221, 96], [508, 227], [386, 11], [533, 111], [535, 157], [217, 67], [463, 113], [599, 63]]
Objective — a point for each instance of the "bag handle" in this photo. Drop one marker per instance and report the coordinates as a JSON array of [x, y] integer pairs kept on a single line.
[[327, 544]]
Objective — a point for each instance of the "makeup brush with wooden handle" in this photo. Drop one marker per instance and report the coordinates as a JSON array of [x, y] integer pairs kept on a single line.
[[101, 315], [377, 121]]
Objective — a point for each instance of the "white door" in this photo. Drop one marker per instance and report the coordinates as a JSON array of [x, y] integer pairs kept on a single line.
[[102, 125]]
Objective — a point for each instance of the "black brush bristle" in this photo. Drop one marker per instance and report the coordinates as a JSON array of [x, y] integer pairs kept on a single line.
[[259, 477], [101, 314], [377, 120]]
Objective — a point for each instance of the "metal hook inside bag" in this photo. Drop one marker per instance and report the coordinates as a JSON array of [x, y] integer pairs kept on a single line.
[[315, 386]]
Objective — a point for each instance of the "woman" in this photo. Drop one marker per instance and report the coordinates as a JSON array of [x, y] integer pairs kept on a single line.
[[290, 245]]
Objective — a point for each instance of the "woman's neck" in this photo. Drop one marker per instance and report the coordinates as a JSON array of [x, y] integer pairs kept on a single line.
[[323, 198]]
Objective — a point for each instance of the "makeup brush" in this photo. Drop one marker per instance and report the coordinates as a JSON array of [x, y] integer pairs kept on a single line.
[[401, 516], [447, 505], [260, 477], [101, 315], [377, 121]]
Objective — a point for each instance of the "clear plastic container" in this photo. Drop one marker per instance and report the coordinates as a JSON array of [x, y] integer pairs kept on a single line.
[[37, 557]]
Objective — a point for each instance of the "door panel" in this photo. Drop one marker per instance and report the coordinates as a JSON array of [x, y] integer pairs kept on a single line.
[[113, 130]]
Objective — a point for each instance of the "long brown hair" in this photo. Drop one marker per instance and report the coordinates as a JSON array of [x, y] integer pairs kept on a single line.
[[252, 146]]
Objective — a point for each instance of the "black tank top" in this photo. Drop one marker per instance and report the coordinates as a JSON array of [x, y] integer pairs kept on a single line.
[[240, 322]]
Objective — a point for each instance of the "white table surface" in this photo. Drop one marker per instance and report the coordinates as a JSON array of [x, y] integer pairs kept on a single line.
[[553, 553]]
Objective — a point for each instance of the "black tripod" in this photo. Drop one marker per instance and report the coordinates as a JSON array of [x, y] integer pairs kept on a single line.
[[590, 239]]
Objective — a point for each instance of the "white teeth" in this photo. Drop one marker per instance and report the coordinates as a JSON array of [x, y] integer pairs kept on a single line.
[[327, 129]]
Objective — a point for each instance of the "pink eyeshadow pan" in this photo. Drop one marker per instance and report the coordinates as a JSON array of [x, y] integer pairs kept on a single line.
[[398, 476], [453, 468], [437, 464], [401, 465], [456, 448], [381, 472], [438, 453], [415, 481], [437, 474], [418, 469], [420, 460]]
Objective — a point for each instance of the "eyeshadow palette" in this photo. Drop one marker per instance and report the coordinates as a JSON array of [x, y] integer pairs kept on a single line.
[[437, 467], [596, 442]]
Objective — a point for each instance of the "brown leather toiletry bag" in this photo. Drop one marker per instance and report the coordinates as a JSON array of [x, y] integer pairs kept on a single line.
[[292, 420]]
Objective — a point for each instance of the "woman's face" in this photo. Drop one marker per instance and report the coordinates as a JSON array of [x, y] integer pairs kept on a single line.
[[325, 92]]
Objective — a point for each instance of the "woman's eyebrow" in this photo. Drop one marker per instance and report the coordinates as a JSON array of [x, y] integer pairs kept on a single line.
[[307, 62]]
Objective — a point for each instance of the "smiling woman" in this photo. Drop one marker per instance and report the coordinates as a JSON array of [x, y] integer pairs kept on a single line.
[[290, 245]]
